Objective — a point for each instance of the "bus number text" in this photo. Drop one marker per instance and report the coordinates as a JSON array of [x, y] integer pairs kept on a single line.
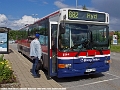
[[73, 14]]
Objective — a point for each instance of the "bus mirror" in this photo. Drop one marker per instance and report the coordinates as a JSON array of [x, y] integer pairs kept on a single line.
[[62, 28]]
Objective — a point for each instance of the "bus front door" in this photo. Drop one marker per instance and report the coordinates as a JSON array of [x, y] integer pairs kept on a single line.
[[53, 49]]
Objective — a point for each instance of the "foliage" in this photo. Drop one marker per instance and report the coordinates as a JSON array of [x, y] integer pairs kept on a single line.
[[16, 34], [6, 73], [115, 48], [117, 33], [118, 40], [1, 57], [12, 34], [84, 7]]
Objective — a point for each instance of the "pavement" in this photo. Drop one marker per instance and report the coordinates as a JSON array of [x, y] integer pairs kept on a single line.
[[21, 67]]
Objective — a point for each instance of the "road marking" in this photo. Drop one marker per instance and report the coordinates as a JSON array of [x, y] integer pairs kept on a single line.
[[113, 53], [112, 75], [93, 83]]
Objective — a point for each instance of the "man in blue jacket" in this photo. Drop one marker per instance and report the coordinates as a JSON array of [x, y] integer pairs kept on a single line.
[[35, 53]]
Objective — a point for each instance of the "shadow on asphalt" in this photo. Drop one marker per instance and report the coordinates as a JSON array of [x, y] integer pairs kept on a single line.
[[78, 78]]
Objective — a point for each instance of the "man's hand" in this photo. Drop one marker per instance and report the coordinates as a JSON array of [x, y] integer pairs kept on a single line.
[[41, 61]]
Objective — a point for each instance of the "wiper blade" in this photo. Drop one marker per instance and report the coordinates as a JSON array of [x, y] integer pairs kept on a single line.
[[78, 53], [100, 50]]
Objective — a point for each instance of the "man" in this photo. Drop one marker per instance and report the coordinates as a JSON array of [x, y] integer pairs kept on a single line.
[[35, 53]]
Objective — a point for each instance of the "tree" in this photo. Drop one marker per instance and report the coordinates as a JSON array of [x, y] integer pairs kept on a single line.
[[84, 7], [118, 34], [14, 34]]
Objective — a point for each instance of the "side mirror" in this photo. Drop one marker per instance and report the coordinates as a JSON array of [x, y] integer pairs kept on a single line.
[[62, 28]]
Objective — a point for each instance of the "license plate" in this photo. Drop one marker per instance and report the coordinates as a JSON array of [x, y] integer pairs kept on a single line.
[[90, 70]]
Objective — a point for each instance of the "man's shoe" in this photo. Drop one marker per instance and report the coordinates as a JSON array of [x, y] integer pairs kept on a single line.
[[36, 76], [32, 74], [31, 70]]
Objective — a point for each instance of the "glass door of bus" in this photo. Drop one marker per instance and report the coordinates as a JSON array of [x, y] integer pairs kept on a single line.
[[53, 49]]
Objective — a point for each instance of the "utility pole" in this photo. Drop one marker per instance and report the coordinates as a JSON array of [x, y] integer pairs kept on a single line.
[[34, 15], [76, 3]]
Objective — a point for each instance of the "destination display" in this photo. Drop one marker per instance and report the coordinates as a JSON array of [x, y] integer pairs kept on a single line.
[[85, 15]]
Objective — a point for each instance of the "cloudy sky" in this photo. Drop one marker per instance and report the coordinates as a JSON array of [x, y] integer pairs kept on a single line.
[[16, 13]]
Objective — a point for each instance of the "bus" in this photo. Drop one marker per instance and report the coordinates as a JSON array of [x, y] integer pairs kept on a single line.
[[74, 42]]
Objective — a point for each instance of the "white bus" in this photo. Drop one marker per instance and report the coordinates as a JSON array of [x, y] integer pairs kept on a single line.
[[74, 42]]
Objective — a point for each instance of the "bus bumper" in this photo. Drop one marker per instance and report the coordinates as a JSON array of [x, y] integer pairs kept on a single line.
[[70, 73]]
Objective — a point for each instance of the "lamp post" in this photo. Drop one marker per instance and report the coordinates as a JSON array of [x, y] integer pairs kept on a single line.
[[34, 15], [76, 3]]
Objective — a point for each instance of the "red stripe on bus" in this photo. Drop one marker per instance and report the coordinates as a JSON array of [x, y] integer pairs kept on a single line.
[[83, 53]]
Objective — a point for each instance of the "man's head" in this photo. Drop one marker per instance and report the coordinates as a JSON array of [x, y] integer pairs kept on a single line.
[[37, 35]]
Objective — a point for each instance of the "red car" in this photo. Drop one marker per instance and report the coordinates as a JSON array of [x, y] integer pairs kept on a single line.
[[16, 41]]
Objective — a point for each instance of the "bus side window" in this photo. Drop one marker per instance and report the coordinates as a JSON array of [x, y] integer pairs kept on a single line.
[[54, 36], [30, 38], [60, 42]]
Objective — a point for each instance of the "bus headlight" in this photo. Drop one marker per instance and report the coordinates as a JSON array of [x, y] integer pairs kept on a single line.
[[107, 61], [68, 65]]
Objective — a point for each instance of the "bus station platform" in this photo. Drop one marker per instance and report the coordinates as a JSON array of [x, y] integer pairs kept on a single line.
[[21, 67]]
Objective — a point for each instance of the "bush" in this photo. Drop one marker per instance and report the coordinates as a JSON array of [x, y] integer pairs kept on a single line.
[[6, 72]]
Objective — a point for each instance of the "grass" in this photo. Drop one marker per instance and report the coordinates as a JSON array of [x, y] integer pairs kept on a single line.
[[115, 48]]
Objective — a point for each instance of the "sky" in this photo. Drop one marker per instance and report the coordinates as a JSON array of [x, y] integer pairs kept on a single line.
[[15, 14]]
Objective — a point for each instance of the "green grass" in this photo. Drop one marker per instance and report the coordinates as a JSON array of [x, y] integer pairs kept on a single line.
[[115, 48]]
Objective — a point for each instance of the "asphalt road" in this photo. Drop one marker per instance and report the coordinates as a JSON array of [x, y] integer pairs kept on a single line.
[[105, 81]]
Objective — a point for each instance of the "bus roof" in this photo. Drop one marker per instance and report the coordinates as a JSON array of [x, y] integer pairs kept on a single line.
[[56, 12]]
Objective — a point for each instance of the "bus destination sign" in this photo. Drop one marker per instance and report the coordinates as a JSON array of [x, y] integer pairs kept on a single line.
[[85, 15]]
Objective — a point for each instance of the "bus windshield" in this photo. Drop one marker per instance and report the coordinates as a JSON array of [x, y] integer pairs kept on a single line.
[[100, 36], [74, 38], [81, 37]]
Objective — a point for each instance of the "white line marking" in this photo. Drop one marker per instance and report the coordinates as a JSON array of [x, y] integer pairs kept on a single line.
[[117, 77], [112, 75], [94, 83]]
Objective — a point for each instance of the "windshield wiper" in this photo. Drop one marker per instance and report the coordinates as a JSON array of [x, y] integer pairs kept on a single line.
[[78, 53], [84, 44], [100, 50]]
